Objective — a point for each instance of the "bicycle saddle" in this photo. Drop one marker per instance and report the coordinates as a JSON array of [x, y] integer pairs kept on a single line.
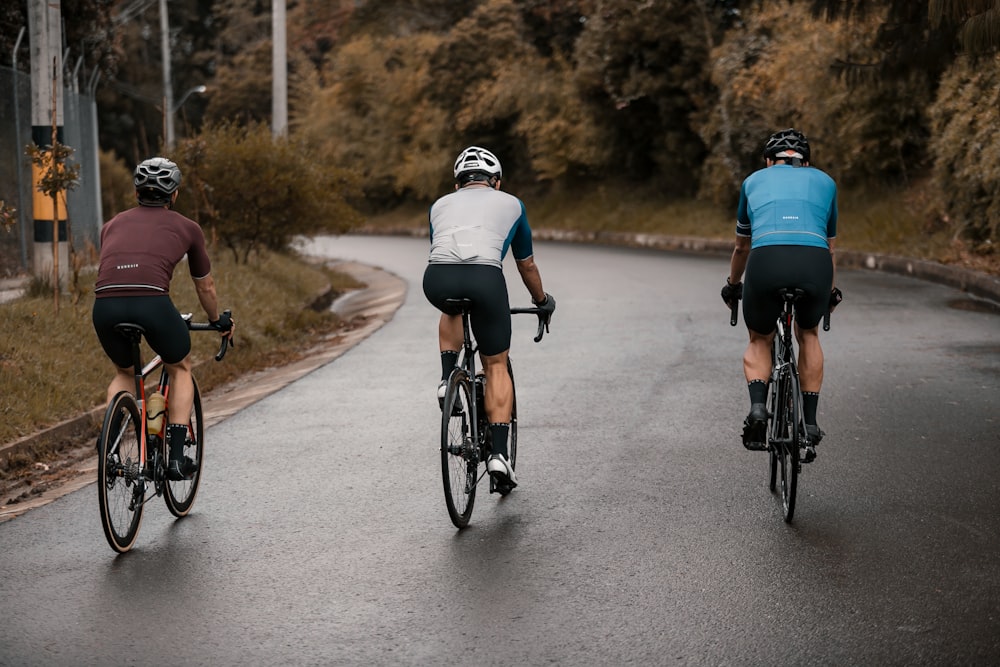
[[130, 330], [791, 293]]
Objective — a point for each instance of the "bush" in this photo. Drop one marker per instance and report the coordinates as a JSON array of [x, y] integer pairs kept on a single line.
[[255, 192], [966, 150], [117, 185]]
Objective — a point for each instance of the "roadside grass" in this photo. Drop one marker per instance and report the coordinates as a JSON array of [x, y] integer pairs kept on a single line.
[[52, 366]]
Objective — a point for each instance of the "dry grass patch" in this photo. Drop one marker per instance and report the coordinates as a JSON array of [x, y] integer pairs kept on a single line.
[[52, 366]]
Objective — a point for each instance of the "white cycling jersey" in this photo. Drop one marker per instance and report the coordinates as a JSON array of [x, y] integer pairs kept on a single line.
[[477, 225]]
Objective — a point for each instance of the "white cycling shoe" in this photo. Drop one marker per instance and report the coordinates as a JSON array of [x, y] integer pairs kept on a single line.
[[501, 471]]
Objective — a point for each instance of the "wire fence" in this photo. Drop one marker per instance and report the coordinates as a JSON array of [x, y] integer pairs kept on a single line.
[[79, 133]]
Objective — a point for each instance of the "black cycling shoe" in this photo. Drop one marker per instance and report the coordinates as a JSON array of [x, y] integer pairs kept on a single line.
[[755, 428], [813, 436], [180, 470]]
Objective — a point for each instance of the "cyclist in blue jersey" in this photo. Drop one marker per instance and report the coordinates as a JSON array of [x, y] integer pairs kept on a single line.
[[471, 231], [786, 225]]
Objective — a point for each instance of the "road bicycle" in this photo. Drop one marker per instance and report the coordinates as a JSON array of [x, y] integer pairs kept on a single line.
[[465, 433], [786, 430], [132, 448]]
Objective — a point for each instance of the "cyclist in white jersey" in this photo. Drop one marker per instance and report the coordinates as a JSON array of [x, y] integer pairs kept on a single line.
[[471, 231]]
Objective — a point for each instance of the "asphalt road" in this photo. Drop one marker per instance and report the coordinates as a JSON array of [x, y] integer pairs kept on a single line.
[[642, 531]]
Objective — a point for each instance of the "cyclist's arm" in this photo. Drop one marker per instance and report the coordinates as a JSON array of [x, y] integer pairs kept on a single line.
[[531, 278], [205, 287], [833, 259], [738, 262]]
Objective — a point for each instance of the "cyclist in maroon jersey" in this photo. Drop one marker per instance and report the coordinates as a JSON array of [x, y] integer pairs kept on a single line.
[[140, 248]]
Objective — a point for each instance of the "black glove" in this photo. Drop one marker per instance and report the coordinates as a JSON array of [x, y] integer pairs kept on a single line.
[[731, 294], [548, 304], [224, 323], [836, 296]]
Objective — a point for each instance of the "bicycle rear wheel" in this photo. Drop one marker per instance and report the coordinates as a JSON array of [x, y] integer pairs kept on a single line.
[[180, 494], [788, 449], [120, 482], [459, 453]]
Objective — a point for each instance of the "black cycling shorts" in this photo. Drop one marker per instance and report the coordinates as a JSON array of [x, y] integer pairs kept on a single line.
[[166, 331], [770, 268], [486, 287]]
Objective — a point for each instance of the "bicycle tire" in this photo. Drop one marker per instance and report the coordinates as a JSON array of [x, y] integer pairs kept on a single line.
[[772, 432], [120, 481], [789, 446], [179, 495], [459, 454]]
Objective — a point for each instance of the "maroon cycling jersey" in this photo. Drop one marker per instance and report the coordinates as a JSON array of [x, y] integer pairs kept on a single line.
[[140, 248]]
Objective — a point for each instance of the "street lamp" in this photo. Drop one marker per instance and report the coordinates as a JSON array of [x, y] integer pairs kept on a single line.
[[169, 125]]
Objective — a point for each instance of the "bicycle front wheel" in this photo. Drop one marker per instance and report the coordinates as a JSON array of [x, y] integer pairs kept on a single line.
[[120, 482], [459, 452], [180, 494]]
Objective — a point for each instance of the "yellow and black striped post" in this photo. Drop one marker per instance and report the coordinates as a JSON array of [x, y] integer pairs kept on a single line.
[[45, 25]]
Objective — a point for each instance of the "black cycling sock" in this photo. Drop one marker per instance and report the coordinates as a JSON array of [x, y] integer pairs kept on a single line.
[[448, 360], [498, 432], [810, 401], [176, 435], [758, 391]]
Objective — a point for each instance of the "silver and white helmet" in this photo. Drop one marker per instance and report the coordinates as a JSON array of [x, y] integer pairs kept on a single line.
[[477, 160], [156, 179]]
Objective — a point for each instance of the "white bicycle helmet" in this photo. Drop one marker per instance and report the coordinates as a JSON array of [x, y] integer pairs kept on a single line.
[[155, 180], [477, 160]]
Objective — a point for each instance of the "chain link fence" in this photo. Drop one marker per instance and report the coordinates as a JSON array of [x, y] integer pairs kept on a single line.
[[80, 134]]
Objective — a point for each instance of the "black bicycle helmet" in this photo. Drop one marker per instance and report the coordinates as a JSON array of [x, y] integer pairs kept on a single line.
[[476, 162], [789, 141], [155, 180]]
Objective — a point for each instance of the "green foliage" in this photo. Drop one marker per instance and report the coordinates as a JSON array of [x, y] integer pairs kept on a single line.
[[256, 192], [966, 149], [57, 173]]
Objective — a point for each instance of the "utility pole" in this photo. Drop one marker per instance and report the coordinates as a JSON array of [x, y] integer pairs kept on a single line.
[[45, 27], [279, 59], [168, 90]]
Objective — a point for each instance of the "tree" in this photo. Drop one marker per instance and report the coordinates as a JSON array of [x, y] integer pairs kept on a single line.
[[257, 193]]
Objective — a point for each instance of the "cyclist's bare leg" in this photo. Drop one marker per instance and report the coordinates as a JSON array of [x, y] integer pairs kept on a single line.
[[180, 400], [757, 358], [757, 369], [499, 392], [499, 405], [811, 377], [450, 335], [810, 359], [124, 380], [181, 396]]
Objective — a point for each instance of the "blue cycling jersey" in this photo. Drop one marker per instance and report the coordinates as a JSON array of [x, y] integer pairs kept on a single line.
[[786, 205]]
